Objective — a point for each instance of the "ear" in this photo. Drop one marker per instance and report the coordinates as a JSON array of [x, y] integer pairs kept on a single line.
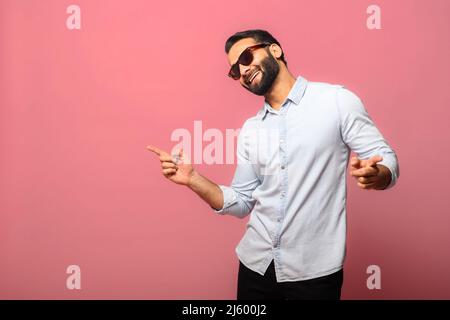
[[276, 50]]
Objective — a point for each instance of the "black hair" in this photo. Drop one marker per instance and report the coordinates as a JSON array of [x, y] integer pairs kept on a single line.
[[258, 35]]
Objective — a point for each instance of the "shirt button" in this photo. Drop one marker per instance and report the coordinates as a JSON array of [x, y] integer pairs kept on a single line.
[[279, 219], [282, 167]]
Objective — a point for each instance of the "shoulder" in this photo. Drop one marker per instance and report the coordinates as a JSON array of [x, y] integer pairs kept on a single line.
[[324, 85], [343, 97], [336, 89]]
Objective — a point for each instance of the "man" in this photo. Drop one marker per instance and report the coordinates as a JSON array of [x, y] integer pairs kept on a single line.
[[291, 174]]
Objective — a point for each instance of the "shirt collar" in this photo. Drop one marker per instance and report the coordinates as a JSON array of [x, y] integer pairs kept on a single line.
[[295, 95]]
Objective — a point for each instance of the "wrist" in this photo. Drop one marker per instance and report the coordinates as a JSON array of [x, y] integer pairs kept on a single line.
[[192, 178]]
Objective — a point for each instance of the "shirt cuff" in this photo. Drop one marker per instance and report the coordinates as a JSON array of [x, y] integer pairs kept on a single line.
[[229, 198]]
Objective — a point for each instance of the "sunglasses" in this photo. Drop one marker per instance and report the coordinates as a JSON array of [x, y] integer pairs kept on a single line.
[[245, 58]]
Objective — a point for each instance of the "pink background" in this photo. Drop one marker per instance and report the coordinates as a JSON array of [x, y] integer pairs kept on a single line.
[[78, 108]]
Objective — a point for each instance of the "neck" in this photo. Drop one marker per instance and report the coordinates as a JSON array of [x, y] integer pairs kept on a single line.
[[281, 86]]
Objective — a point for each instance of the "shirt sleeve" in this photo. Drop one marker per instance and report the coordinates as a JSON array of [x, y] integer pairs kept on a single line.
[[237, 197], [361, 135]]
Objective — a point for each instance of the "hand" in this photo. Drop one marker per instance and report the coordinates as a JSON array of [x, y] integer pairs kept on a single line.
[[176, 168], [369, 174]]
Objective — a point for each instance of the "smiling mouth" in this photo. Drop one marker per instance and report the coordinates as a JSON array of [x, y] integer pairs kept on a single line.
[[253, 76]]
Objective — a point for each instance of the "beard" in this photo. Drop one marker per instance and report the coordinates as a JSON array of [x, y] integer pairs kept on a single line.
[[269, 71]]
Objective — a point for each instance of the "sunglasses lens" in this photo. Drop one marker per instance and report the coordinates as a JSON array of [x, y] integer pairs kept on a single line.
[[246, 58], [235, 72]]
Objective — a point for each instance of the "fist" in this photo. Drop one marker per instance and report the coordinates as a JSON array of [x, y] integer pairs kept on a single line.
[[369, 174]]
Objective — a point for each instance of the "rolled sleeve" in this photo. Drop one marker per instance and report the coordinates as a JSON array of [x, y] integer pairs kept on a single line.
[[237, 198], [229, 198], [361, 135]]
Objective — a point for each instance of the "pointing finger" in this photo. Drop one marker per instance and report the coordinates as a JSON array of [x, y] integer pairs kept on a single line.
[[365, 172], [373, 161], [159, 152], [154, 150]]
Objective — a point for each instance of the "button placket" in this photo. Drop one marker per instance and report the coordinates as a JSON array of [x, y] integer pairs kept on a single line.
[[283, 173]]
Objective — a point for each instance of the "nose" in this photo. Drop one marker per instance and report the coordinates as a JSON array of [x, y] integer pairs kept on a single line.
[[244, 70]]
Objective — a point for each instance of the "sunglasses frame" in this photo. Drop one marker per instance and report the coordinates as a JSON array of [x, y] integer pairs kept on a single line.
[[235, 75]]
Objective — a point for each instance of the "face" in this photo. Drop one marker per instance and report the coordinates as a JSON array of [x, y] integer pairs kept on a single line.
[[259, 76]]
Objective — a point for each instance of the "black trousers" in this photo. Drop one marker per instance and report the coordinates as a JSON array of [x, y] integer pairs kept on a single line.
[[252, 285]]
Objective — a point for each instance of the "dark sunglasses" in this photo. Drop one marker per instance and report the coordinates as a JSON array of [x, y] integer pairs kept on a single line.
[[245, 58]]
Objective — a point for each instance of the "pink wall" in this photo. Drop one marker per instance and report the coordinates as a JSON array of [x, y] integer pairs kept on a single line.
[[78, 108]]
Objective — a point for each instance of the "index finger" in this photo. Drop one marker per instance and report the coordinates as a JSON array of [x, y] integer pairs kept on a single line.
[[373, 161], [365, 172], [154, 150], [157, 151]]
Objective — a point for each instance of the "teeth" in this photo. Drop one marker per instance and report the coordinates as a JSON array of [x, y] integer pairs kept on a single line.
[[253, 76]]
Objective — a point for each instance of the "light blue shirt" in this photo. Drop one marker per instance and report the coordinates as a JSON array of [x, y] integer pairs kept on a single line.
[[291, 177]]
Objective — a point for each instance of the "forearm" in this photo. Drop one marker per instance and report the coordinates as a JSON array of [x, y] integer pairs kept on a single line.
[[209, 191]]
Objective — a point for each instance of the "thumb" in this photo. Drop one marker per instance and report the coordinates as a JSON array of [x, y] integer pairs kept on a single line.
[[355, 162], [181, 157], [373, 161]]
